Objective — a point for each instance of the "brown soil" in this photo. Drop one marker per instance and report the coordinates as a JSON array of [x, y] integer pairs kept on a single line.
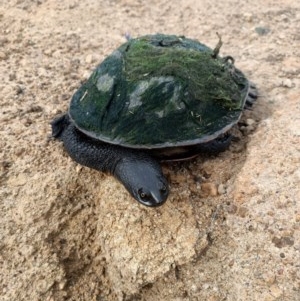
[[231, 227]]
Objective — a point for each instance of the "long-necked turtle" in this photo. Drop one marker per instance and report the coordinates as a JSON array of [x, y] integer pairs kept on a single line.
[[156, 97]]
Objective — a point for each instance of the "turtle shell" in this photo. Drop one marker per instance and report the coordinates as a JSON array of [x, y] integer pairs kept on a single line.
[[160, 91]]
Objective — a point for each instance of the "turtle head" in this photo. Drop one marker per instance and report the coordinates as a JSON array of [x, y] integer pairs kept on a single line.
[[143, 178]]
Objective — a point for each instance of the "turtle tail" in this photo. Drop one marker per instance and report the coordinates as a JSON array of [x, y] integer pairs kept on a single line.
[[58, 125]]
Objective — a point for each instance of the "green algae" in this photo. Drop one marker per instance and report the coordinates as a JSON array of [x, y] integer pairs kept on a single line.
[[159, 90]]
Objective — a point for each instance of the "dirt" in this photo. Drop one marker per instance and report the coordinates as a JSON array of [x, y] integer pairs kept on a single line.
[[231, 227]]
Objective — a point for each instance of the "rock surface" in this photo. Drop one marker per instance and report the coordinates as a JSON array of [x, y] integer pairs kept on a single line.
[[231, 227], [141, 244]]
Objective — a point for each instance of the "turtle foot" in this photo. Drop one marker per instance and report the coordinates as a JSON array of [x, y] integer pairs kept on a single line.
[[251, 97], [216, 146]]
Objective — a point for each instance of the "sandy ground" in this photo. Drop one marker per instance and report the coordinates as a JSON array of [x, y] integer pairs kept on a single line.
[[231, 227]]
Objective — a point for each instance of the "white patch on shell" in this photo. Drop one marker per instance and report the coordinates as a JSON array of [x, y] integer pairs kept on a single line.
[[175, 103], [105, 83], [137, 94], [160, 114], [175, 100]]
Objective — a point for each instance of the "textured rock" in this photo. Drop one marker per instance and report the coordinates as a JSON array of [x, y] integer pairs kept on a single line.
[[142, 244]]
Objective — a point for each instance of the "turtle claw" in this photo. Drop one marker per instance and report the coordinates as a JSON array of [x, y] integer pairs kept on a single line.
[[250, 100], [248, 107], [251, 97], [252, 91]]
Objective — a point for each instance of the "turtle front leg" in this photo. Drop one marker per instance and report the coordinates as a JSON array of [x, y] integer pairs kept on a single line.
[[139, 172]]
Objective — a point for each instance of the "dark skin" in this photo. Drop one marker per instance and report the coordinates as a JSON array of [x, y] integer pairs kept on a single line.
[[139, 172]]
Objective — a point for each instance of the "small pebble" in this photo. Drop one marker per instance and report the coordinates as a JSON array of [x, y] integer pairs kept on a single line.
[[248, 17], [287, 83], [62, 285], [18, 180], [179, 178], [269, 277], [19, 90], [78, 168], [86, 74], [231, 209], [250, 121], [48, 51], [262, 31], [242, 211], [252, 226], [209, 189], [12, 76], [19, 151], [247, 129], [281, 242], [89, 59], [42, 72], [3, 55], [205, 286], [221, 189], [195, 188], [276, 292]]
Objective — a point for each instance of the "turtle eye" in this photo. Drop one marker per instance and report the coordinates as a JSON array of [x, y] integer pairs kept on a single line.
[[164, 188], [142, 194]]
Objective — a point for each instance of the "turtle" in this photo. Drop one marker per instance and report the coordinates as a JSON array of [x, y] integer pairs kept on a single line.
[[155, 98]]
